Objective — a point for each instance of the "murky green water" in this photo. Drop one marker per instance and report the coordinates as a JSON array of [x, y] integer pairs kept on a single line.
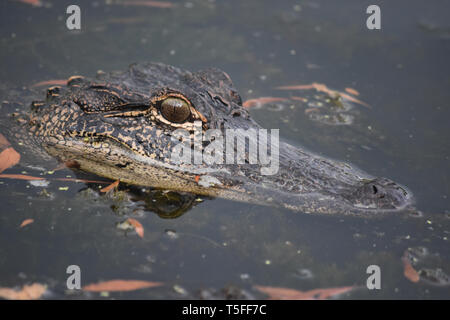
[[221, 248]]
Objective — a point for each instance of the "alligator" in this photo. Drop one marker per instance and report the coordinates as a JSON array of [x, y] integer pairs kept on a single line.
[[120, 125]]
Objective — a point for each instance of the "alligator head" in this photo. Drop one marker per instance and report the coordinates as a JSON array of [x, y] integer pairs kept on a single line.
[[122, 126]]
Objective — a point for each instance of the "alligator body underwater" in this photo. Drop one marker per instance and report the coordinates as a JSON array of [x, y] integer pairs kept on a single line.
[[120, 125]]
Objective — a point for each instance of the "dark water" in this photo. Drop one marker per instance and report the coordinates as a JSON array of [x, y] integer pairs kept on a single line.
[[219, 246]]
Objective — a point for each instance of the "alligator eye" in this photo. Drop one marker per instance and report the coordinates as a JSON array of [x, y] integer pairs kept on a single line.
[[175, 110]]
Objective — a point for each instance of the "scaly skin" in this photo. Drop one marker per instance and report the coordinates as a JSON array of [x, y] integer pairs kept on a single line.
[[114, 126]]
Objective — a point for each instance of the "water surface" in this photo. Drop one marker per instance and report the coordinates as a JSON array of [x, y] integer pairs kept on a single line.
[[220, 246]]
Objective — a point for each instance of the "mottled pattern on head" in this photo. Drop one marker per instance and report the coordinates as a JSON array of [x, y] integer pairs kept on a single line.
[[81, 108]]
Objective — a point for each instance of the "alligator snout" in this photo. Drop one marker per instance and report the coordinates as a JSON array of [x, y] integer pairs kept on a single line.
[[380, 193]]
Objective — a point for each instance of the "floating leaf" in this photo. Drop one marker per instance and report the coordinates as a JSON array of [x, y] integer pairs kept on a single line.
[[26, 222], [121, 285], [153, 4], [137, 226], [352, 91], [299, 99], [110, 187], [8, 158], [31, 292], [58, 82], [309, 110], [19, 177], [408, 271], [323, 88], [297, 87], [258, 102], [292, 294], [34, 3]]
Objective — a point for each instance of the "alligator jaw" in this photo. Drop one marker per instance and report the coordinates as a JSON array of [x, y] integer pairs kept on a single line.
[[300, 185]]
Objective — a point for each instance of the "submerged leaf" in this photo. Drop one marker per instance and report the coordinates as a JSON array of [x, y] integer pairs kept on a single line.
[[408, 270], [352, 91], [59, 82], [120, 285], [261, 101], [8, 158], [26, 222], [20, 177], [292, 294], [110, 187], [153, 4], [323, 88], [31, 292], [137, 226], [296, 98], [297, 87], [34, 3]]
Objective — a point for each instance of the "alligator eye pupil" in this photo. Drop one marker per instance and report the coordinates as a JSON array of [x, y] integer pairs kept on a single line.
[[175, 110]]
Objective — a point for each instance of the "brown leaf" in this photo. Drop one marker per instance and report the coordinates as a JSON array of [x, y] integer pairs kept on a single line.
[[8, 158], [110, 187], [20, 177], [299, 99], [261, 101], [58, 82], [309, 110], [323, 88], [31, 292], [4, 143], [350, 98], [408, 271], [34, 3], [352, 91], [297, 87], [153, 4], [292, 294], [26, 222], [121, 285], [137, 226]]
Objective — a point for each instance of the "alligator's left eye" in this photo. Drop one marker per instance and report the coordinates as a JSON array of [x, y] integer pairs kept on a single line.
[[175, 110]]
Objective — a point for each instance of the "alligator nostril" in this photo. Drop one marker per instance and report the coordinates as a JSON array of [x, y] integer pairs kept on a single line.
[[375, 189], [379, 194]]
